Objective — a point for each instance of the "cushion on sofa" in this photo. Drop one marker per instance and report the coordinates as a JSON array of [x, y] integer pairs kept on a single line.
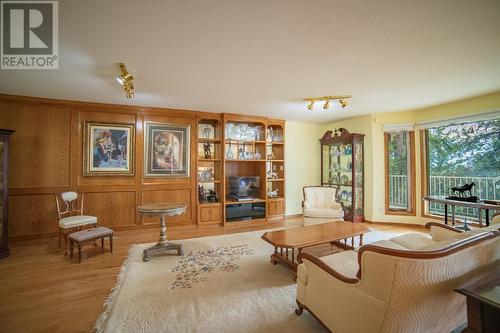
[[413, 241], [323, 213], [345, 262], [448, 242], [389, 244]]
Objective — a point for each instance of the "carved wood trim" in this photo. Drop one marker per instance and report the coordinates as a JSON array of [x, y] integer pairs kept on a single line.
[[441, 225], [339, 135], [324, 266]]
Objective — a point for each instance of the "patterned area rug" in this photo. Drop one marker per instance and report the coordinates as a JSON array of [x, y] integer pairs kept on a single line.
[[221, 284]]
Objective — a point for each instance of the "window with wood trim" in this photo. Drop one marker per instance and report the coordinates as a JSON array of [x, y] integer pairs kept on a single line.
[[458, 153], [400, 173]]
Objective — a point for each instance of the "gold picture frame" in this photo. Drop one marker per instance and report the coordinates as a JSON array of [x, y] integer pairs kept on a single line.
[[108, 149]]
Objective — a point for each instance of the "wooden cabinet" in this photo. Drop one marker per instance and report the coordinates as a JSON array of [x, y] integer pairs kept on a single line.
[[4, 191], [275, 207], [234, 145], [210, 214], [254, 147], [342, 166]]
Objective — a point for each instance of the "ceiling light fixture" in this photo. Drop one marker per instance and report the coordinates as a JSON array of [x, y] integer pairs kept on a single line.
[[326, 105], [327, 99], [126, 80], [310, 105]]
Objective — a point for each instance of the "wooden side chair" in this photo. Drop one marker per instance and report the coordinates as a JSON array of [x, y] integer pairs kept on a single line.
[[70, 214]]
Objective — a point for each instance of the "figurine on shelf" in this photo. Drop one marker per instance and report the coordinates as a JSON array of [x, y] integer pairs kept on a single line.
[[270, 134], [256, 156], [229, 153], [271, 193], [207, 150], [272, 174], [271, 156], [202, 197], [212, 196], [206, 132]]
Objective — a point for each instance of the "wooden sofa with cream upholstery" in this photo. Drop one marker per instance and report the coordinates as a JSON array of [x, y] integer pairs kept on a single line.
[[404, 284]]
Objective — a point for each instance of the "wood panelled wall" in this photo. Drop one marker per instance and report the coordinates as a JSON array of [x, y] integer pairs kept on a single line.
[[46, 158]]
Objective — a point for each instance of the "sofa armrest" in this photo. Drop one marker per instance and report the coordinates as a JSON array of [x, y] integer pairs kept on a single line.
[[325, 267], [440, 231], [305, 204]]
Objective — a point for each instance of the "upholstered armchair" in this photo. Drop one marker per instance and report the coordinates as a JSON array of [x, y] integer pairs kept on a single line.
[[405, 284], [321, 202]]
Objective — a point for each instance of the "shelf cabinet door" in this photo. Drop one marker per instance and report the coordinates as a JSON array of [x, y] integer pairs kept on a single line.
[[210, 215], [276, 207]]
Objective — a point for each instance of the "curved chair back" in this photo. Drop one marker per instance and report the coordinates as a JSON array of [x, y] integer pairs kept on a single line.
[[320, 196], [67, 204]]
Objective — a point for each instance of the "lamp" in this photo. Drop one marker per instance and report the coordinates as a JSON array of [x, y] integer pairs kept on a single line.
[[126, 80]]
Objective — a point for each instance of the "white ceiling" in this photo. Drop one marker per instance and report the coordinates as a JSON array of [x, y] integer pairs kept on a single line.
[[263, 56]]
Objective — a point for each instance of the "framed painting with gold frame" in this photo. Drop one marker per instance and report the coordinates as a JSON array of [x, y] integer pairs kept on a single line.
[[108, 149]]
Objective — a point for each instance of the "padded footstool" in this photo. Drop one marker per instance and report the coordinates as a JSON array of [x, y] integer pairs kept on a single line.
[[89, 235]]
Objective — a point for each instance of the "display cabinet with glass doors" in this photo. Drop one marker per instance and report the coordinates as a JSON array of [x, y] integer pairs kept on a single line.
[[342, 167]]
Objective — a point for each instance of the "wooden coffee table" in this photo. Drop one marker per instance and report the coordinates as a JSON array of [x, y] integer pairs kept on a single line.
[[288, 244]]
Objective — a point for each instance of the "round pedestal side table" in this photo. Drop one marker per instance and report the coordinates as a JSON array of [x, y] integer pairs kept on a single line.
[[162, 210]]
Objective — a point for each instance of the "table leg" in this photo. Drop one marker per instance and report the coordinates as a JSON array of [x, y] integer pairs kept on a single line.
[[445, 214], [453, 215], [80, 252], [480, 217], [487, 217], [163, 245]]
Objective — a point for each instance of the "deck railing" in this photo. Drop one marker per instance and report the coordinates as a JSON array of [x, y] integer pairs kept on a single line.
[[486, 188], [398, 192]]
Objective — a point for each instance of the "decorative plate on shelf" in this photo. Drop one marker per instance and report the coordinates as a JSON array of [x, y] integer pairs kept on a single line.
[[344, 180]]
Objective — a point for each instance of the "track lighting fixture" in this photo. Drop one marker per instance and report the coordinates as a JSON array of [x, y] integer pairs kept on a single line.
[[126, 80], [310, 105], [341, 98], [326, 105]]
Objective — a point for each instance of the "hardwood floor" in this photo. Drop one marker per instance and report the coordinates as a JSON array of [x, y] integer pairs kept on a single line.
[[43, 291]]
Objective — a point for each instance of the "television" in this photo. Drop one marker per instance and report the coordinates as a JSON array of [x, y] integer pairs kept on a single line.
[[244, 187]]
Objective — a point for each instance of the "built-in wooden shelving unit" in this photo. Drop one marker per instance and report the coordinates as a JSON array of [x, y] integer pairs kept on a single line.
[[209, 169], [239, 146]]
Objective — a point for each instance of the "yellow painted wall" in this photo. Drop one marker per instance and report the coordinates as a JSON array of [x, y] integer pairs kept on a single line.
[[372, 127], [302, 162]]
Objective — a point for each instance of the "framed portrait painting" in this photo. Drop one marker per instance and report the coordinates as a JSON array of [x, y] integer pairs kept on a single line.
[[108, 149], [166, 150]]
